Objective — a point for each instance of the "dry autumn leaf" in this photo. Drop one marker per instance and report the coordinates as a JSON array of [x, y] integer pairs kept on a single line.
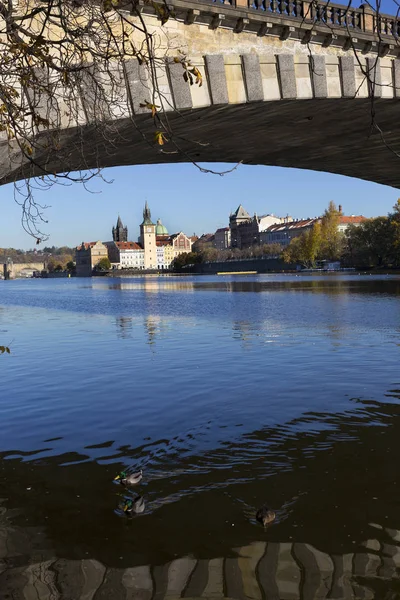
[[160, 138]]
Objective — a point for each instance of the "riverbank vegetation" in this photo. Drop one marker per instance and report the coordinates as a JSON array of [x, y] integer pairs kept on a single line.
[[374, 243]]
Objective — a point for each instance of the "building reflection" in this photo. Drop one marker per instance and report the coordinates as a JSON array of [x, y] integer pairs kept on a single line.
[[154, 285], [152, 327], [124, 327]]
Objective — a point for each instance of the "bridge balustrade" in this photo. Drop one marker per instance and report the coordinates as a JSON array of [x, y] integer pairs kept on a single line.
[[333, 15]]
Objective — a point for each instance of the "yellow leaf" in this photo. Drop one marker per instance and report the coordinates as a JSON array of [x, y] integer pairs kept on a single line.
[[160, 138], [149, 106], [198, 75]]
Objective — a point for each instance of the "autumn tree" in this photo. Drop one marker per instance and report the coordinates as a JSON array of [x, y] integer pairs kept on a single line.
[[306, 248], [331, 238]]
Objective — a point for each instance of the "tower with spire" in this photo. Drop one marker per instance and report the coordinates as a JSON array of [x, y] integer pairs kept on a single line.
[[148, 239], [120, 233]]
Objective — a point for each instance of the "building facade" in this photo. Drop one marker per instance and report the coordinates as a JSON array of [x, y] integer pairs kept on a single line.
[[87, 256], [147, 239], [237, 218], [222, 238], [283, 233], [246, 230], [345, 221], [125, 255]]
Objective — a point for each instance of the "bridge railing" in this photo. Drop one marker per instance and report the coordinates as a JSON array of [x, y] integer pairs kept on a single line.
[[333, 15]]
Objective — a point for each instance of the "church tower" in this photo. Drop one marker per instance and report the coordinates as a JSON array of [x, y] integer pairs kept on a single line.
[[148, 239], [120, 233]]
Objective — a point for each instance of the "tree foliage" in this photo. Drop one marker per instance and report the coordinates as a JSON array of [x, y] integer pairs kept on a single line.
[[331, 239], [322, 241], [374, 243], [104, 264], [53, 54], [306, 248]]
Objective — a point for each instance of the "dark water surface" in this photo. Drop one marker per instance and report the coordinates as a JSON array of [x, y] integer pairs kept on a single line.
[[229, 392]]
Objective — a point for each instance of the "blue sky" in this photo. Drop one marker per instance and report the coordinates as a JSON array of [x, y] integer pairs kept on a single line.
[[188, 200]]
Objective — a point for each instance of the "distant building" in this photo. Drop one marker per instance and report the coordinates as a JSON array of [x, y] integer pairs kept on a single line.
[[147, 239], [180, 243], [87, 256], [156, 249], [204, 241], [125, 255], [345, 221], [246, 230], [120, 233], [222, 238], [235, 219], [283, 233]]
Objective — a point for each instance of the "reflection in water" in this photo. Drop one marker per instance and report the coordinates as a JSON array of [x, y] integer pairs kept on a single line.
[[230, 393], [331, 543], [331, 284], [153, 285], [152, 327], [124, 327], [260, 570]]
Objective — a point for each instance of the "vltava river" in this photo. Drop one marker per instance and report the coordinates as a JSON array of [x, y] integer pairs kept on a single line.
[[229, 392]]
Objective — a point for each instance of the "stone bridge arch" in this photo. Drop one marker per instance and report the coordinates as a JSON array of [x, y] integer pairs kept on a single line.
[[13, 270], [279, 89]]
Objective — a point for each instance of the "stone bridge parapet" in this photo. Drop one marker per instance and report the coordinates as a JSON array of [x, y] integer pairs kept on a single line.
[[279, 88]]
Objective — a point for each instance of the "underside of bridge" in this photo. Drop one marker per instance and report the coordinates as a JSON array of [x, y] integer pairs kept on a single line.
[[331, 135]]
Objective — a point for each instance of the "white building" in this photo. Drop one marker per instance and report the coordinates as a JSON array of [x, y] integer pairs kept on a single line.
[[125, 255]]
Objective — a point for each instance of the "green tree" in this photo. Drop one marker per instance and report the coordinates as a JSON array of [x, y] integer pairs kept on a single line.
[[104, 264], [305, 249], [394, 219], [331, 238]]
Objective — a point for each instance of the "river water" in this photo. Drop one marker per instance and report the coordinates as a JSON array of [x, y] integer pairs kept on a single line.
[[229, 392]]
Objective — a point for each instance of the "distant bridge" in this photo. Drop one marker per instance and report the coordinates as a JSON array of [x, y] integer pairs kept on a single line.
[[282, 87], [12, 270]]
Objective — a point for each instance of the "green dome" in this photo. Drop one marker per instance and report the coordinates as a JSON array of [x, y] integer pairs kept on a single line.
[[161, 229]]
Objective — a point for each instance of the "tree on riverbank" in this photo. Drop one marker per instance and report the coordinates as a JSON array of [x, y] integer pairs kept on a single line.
[[322, 241], [306, 248], [374, 243], [103, 265]]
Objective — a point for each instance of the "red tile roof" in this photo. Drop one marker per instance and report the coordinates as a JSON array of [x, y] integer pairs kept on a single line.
[[128, 246], [222, 229], [87, 245], [352, 219]]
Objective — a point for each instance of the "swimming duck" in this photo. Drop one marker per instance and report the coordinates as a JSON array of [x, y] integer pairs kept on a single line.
[[125, 479], [265, 515], [134, 507]]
